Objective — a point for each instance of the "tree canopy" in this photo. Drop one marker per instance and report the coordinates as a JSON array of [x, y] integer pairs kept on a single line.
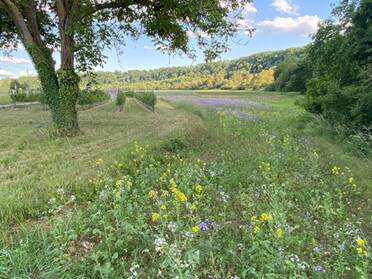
[[80, 29], [340, 55]]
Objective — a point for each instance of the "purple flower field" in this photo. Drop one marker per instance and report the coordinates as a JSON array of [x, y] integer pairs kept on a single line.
[[231, 107]]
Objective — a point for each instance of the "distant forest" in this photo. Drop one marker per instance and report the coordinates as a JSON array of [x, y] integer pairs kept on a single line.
[[254, 71]]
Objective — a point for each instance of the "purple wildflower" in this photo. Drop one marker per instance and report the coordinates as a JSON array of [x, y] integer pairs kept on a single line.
[[203, 226], [319, 268], [316, 249]]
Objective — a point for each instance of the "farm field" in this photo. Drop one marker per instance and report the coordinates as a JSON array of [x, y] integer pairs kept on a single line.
[[213, 185]]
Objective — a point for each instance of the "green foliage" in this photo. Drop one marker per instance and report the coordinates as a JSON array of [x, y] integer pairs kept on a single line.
[[341, 90], [32, 95], [120, 98], [130, 94], [291, 75], [148, 98], [89, 96]]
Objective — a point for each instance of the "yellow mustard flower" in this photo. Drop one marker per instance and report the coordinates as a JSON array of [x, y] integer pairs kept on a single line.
[[119, 183], [155, 216], [359, 250], [360, 241], [195, 229]]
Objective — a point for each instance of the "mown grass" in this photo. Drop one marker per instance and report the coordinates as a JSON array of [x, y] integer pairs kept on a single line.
[[4, 97], [34, 164], [220, 198]]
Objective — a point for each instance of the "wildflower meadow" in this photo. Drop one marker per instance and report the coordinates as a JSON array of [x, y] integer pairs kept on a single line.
[[239, 197]]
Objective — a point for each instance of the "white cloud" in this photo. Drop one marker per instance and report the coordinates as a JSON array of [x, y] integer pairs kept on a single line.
[[6, 74], [197, 34], [249, 8], [14, 60], [285, 6], [302, 26], [158, 46]]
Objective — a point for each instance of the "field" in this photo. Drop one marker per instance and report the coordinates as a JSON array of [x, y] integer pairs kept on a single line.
[[212, 185], [4, 98]]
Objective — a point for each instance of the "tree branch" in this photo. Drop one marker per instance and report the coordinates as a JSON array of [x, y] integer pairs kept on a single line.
[[17, 17]]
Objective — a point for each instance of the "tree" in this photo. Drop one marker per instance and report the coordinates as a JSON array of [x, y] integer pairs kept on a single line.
[[80, 29], [341, 58]]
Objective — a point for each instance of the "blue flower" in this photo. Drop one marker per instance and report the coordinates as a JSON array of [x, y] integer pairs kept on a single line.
[[203, 226]]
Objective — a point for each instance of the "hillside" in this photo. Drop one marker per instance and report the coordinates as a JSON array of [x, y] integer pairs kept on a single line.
[[251, 71]]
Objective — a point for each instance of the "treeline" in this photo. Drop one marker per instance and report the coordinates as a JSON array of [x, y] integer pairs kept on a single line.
[[253, 71]]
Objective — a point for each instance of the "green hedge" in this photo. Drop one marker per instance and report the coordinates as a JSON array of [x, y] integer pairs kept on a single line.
[[148, 98], [23, 96], [120, 98], [88, 96]]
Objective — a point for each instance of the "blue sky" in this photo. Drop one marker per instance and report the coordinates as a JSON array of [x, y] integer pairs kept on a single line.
[[279, 24]]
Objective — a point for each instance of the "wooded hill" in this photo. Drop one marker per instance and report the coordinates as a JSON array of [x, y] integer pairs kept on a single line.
[[246, 72]]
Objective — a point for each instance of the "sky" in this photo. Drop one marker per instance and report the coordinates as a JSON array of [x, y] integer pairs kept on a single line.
[[279, 24]]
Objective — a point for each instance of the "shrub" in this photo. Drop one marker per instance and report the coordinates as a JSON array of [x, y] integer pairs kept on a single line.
[[129, 94], [349, 106], [148, 98], [20, 95], [88, 96], [120, 98]]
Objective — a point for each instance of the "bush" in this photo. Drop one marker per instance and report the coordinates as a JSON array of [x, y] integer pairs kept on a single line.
[[129, 94], [349, 106], [148, 98], [120, 98], [89, 96], [22, 96]]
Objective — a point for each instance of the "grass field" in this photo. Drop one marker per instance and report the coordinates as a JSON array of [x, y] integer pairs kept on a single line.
[[4, 97], [187, 192]]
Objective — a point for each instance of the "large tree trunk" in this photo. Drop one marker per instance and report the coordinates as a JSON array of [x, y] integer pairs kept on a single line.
[[60, 88], [68, 79]]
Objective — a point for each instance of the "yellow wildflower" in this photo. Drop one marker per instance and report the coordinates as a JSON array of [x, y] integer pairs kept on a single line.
[[193, 207], [155, 216], [152, 194], [163, 207], [360, 241], [129, 183], [165, 216], [256, 229], [279, 232], [365, 252], [199, 188], [266, 217], [99, 161], [195, 229], [253, 218], [119, 183], [359, 250], [117, 194]]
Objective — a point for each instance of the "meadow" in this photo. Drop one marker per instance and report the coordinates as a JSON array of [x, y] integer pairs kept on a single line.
[[197, 189]]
